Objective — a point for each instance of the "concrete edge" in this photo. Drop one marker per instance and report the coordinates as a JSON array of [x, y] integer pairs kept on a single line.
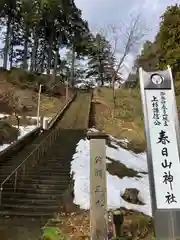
[[89, 110], [16, 146], [62, 111]]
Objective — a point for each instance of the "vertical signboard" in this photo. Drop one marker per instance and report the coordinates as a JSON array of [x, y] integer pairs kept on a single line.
[[98, 192], [162, 133]]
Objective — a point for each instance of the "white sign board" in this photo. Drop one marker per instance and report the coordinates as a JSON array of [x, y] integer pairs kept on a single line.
[[164, 148]]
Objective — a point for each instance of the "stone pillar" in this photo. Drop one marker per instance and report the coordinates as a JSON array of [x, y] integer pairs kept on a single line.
[[98, 191]]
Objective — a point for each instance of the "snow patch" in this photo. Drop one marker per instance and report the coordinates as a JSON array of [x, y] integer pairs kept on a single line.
[[23, 130], [80, 167]]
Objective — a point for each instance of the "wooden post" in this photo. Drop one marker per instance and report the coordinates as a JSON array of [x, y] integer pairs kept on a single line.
[[98, 191]]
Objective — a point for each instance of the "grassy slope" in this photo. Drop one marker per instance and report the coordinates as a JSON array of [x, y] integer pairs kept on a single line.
[[128, 121], [12, 84]]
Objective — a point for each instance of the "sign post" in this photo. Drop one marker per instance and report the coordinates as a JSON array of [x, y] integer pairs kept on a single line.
[[163, 149], [98, 192]]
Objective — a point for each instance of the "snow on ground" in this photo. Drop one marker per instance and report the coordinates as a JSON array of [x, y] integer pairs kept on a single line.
[[23, 131], [3, 116], [80, 166]]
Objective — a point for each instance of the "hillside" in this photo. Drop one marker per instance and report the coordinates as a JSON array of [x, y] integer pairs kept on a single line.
[[128, 121], [19, 91], [19, 96]]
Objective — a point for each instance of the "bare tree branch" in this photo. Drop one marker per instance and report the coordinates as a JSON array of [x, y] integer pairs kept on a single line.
[[125, 40]]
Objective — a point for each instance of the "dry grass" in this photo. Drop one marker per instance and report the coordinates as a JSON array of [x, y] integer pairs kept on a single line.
[[51, 105], [77, 226], [28, 98], [128, 120], [120, 170]]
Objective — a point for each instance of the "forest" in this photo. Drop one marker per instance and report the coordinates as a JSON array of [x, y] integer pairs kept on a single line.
[[33, 32], [165, 49]]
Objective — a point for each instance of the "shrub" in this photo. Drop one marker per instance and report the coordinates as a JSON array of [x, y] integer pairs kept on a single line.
[[52, 233], [8, 133]]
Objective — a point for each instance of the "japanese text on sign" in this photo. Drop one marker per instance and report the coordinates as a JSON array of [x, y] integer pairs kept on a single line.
[[164, 109], [155, 108], [99, 192], [159, 109], [167, 177], [164, 149]]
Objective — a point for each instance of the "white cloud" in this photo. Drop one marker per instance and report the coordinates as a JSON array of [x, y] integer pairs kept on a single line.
[[100, 13]]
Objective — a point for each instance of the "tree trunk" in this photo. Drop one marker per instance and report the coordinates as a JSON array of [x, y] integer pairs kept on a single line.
[[55, 67], [101, 73], [25, 57], [11, 48], [6, 46], [102, 79], [56, 59], [42, 63], [50, 54], [114, 98], [33, 67], [72, 66], [42, 57]]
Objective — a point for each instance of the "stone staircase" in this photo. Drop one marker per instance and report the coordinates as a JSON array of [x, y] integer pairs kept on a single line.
[[39, 194]]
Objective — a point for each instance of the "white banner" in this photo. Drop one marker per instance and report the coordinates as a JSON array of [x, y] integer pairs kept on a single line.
[[164, 149]]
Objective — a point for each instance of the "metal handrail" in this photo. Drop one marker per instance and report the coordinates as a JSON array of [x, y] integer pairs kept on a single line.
[[50, 138], [33, 153]]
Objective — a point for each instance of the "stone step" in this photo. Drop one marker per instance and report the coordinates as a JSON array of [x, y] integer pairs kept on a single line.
[[31, 195], [45, 181], [29, 201], [30, 208], [8, 169], [25, 185], [58, 164], [41, 176], [29, 214], [50, 171], [25, 189]]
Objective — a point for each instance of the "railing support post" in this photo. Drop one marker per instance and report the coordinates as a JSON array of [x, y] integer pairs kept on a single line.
[[1, 189], [15, 181], [24, 170]]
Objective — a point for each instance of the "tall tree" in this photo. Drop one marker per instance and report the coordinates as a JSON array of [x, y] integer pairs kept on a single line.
[[168, 38], [99, 59], [36, 30], [165, 50], [148, 59], [8, 10]]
